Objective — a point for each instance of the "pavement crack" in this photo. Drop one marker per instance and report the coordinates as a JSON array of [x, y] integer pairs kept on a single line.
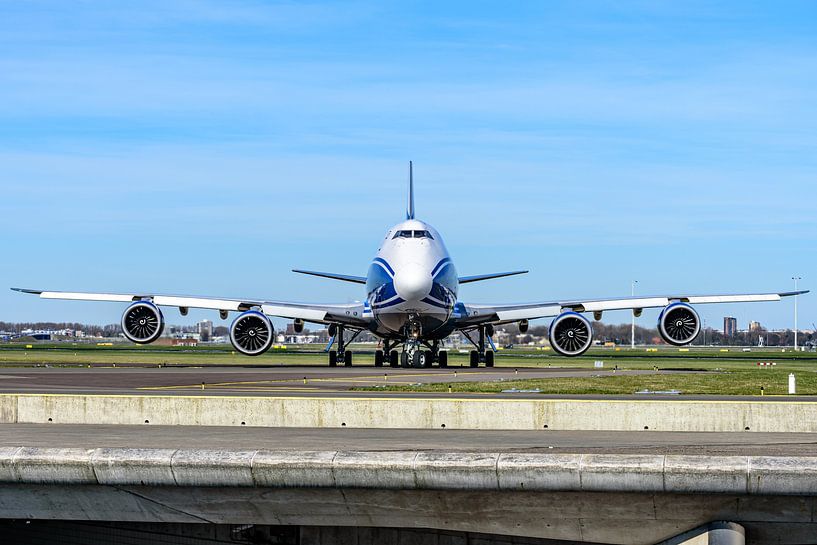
[[164, 505]]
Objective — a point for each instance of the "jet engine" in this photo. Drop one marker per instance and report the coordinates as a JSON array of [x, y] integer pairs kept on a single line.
[[251, 333], [570, 334], [679, 324], [142, 322]]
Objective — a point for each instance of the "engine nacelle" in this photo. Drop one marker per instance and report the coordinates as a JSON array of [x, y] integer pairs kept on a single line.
[[570, 334], [142, 322], [298, 325], [523, 326], [679, 324], [251, 333]]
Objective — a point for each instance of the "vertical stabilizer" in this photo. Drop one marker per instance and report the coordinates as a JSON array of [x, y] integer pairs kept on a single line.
[[410, 204]]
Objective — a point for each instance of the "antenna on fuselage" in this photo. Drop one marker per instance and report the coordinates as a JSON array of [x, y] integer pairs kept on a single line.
[[410, 204]]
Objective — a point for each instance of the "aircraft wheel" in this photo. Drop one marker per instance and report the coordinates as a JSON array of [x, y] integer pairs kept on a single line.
[[428, 358], [443, 358], [333, 358], [419, 359], [378, 358], [394, 358], [347, 358], [404, 361], [489, 358], [474, 358]]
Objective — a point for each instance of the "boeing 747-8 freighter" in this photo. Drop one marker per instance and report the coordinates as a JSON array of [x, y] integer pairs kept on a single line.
[[412, 305]]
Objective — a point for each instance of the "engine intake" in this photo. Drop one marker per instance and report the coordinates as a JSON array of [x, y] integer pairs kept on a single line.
[[142, 322], [679, 324], [251, 333], [570, 334]]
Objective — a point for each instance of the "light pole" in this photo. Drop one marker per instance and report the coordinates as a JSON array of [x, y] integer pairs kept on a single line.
[[795, 278], [632, 328]]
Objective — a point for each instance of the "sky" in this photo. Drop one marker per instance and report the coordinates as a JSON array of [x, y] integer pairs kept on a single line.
[[209, 147]]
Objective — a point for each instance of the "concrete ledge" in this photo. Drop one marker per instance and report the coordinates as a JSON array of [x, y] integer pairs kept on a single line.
[[132, 466], [414, 412], [407, 470]]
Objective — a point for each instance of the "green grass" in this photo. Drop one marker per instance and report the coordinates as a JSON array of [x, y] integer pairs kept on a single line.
[[730, 373], [731, 382]]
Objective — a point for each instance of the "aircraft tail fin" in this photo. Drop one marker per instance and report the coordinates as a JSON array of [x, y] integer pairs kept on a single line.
[[410, 203]]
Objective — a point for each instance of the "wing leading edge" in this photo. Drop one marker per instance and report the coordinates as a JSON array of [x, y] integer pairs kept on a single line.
[[351, 313], [477, 314]]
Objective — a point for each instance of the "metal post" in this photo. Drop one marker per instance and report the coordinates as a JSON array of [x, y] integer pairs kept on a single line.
[[795, 278], [632, 328]]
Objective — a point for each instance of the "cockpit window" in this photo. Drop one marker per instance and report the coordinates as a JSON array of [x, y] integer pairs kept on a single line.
[[413, 234]]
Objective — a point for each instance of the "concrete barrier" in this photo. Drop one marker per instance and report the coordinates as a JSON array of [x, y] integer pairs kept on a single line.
[[409, 470], [414, 412]]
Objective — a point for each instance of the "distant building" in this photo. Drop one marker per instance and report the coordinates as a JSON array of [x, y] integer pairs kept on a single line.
[[755, 327], [205, 330], [730, 326], [185, 342]]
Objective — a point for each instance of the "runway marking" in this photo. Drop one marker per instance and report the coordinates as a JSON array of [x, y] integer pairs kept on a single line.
[[402, 380]]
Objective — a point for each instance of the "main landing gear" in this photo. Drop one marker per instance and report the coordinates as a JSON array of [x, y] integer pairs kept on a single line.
[[341, 354], [387, 354], [481, 354]]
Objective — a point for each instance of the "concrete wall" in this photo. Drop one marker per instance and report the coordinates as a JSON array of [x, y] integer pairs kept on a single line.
[[411, 470], [621, 518], [598, 498], [435, 412]]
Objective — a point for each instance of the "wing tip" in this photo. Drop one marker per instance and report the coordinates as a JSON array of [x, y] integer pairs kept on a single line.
[[791, 293], [25, 290]]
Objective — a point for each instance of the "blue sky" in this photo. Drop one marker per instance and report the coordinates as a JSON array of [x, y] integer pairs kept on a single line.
[[210, 147]]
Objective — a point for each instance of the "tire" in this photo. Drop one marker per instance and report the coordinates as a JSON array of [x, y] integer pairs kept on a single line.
[[378, 358], [333, 358], [419, 359], [404, 362], [394, 358], [347, 358], [443, 358], [474, 358], [489, 358]]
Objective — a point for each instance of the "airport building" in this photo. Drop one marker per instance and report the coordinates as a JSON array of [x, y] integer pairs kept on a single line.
[[205, 330], [730, 326]]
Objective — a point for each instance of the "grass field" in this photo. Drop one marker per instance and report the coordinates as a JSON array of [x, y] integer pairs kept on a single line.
[[731, 373]]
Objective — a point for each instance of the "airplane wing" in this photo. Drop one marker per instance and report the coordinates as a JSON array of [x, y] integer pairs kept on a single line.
[[353, 314], [472, 315]]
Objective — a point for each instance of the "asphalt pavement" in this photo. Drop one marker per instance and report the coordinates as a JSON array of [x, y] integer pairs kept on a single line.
[[305, 439]]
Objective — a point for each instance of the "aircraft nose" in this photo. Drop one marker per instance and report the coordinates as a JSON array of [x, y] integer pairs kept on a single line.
[[412, 282]]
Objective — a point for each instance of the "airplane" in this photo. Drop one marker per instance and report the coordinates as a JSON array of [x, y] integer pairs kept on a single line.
[[411, 303]]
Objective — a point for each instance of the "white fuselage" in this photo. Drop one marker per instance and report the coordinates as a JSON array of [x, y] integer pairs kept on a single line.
[[412, 282]]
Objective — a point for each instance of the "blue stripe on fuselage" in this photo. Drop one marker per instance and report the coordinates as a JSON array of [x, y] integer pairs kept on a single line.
[[439, 265], [385, 264]]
